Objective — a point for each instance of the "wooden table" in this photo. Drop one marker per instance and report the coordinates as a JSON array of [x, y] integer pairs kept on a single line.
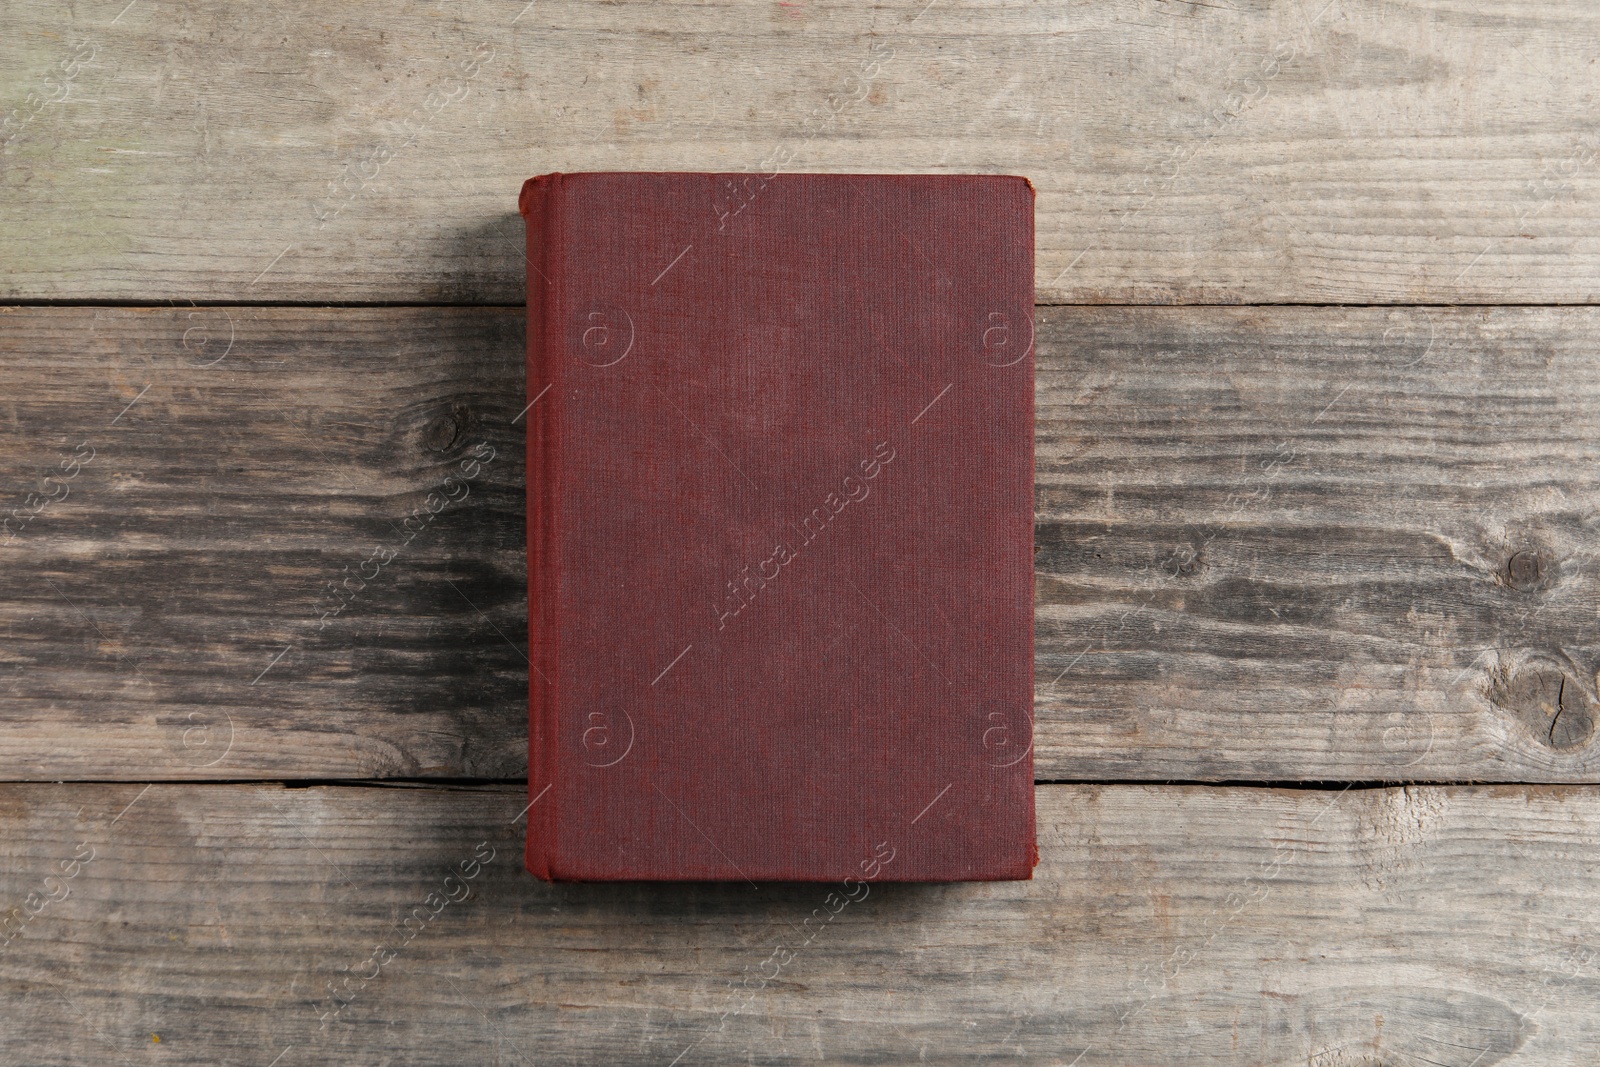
[[1318, 534]]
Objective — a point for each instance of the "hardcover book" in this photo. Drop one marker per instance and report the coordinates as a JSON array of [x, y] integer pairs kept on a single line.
[[780, 527]]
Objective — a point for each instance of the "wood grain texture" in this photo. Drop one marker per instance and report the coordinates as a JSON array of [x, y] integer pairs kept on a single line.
[[1288, 543], [1165, 925], [288, 557], [1358, 151], [1273, 544]]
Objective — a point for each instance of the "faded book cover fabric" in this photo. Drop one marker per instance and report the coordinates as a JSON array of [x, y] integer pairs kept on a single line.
[[780, 527]]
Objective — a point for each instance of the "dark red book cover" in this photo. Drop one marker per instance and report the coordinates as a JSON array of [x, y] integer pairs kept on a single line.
[[780, 527]]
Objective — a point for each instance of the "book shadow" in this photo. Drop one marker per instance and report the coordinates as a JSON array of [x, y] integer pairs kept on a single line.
[[492, 262], [424, 616], [785, 907]]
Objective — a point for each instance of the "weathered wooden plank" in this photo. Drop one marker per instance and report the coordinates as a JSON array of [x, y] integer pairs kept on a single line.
[[1313, 542], [1272, 544], [1359, 150], [1165, 925], [297, 548]]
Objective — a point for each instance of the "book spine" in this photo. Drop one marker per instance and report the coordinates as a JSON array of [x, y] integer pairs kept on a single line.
[[539, 204]]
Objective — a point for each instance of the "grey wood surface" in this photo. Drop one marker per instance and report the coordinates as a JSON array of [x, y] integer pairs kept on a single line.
[[298, 548], [257, 925], [1316, 542], [1331, 150], [1273, 544]]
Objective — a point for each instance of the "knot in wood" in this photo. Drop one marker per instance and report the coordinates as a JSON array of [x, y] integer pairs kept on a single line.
[[1525, 570], [1553, 704], [443, 432]]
